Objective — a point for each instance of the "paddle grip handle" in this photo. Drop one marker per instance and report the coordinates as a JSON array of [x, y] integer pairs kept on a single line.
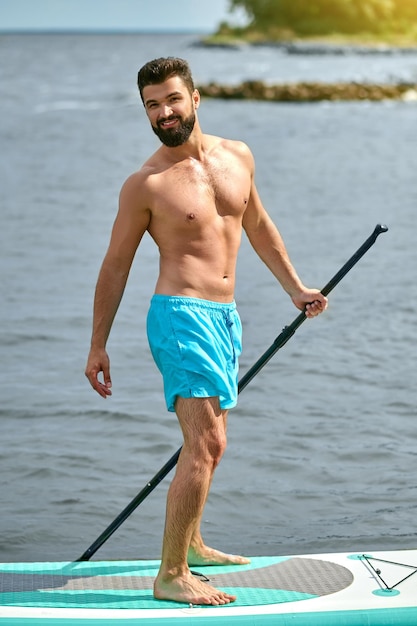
[[379, 228]]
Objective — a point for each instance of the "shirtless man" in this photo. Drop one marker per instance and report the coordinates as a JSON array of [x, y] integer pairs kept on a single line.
[[194, 196]]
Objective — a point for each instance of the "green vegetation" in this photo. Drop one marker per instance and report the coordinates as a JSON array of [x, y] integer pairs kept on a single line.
[[361, 23], [365, 21]]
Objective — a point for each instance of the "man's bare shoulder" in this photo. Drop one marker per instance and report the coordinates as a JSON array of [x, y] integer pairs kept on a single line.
[[140, 183], [234, 147], [224, 143], [134, 195]]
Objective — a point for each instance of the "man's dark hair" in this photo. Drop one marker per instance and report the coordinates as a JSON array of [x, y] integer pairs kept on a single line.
[[159, 70]]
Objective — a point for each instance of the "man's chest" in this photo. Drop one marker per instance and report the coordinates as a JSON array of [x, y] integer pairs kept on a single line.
[[204, 189]]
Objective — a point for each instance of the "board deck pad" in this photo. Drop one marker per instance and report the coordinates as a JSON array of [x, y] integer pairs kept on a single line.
[[128, 584]]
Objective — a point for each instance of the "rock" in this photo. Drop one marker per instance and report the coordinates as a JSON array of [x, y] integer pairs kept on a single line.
[[309, 92]]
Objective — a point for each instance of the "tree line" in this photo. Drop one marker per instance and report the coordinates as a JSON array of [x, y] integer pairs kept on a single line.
[[320, 17]]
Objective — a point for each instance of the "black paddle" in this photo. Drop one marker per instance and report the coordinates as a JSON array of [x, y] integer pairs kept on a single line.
[[279, 342]]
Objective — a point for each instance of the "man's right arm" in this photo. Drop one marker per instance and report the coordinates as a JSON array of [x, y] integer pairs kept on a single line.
[[131, 223]]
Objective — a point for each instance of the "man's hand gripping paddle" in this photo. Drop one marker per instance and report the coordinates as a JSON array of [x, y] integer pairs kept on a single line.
[[279, 342]]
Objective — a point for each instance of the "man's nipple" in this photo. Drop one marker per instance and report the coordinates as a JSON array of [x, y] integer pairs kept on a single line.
[[191, 216]]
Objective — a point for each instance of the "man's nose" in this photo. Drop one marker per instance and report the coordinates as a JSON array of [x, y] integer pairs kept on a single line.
[[166, 110]]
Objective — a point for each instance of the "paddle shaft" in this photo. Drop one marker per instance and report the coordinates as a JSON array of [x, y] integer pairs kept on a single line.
[[288, 331], [280, 341]]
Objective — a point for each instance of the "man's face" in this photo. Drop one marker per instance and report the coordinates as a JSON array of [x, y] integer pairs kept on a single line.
[[171, 111]]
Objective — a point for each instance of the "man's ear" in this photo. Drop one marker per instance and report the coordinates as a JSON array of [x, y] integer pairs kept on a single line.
[[196, 98]]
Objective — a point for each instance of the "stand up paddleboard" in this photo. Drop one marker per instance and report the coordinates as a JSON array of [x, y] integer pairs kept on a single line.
[[375, 589]]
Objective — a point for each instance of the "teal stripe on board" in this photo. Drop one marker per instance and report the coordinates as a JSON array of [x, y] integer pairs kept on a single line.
[[137, 599]]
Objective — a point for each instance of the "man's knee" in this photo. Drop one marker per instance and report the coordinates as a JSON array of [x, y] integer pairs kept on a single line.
[[216, 446], [207, 448], [203, 423]]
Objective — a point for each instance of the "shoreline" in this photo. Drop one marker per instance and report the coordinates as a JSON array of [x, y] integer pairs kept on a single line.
[[310, 47], [364, 42]]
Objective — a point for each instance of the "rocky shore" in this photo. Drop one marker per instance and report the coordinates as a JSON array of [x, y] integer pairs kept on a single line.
[[309, 91]]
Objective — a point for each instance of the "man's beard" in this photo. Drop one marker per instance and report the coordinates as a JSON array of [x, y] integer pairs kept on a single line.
[[174, 137]]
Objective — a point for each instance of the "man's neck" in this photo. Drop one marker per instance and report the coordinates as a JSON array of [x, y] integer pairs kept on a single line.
[[195, 147]]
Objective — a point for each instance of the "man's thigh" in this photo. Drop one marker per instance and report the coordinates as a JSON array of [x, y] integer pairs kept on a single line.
[[201, 418]]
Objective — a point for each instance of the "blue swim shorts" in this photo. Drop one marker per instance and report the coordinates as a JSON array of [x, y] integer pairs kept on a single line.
[[195, 344]]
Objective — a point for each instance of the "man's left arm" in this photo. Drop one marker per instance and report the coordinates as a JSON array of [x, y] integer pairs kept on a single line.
[[269, 245]]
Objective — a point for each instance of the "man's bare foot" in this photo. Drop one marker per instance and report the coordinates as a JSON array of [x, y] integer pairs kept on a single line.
[[203, 555], [189, 590]]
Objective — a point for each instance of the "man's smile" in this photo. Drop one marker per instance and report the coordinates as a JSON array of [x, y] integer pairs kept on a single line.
[[168, 123]]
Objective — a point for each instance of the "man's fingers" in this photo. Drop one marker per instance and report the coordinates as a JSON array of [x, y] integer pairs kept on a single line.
[[102, 388], [316, 307], [106, 376]]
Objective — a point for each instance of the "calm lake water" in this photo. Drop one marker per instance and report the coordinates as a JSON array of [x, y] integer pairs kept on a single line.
[[323, 443]]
